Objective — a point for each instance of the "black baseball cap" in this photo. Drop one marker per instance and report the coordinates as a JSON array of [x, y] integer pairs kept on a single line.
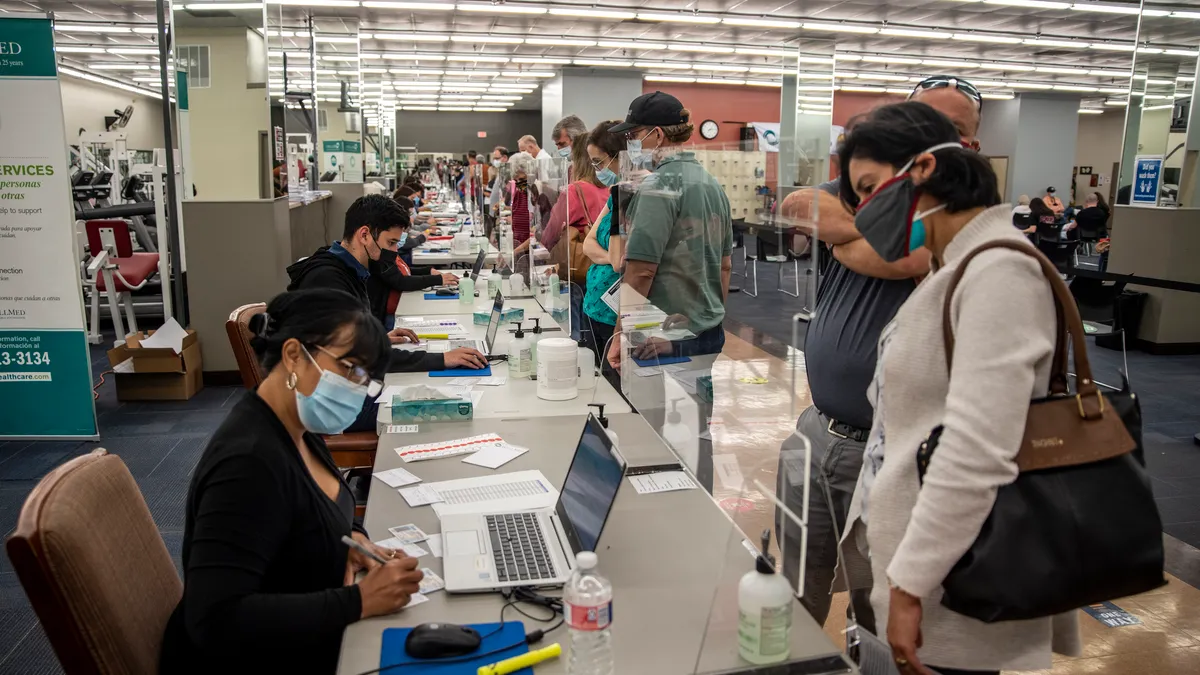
[[651, 110]]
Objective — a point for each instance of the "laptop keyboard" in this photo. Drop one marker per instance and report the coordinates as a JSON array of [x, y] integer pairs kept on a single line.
[[518, 548]]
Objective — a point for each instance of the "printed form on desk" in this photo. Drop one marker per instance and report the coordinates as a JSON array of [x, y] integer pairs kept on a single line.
[[665, 481]]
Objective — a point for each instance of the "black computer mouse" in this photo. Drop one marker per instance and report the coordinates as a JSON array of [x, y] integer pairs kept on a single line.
[[446, 291], [438, 640]]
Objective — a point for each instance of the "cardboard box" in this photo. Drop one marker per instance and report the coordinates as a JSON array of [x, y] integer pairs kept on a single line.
[[157, 374]]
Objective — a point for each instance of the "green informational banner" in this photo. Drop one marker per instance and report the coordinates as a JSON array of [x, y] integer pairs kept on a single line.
[[331, 146], [45, 369]]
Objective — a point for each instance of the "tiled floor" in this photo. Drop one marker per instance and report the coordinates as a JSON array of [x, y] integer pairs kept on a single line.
[[758, 395]]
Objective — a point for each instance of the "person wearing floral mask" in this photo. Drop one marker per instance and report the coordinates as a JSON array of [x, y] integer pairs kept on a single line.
[[914, 186], [268, 584]]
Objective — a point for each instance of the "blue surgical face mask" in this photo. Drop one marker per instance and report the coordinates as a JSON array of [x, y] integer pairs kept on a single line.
[[334, 404], [564, 152], [638, 157], [403, 238], [607, 177]]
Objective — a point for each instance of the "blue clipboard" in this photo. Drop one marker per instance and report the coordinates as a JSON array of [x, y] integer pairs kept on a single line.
[[661, 361], [510, 633], [435, 296], [462, 372]]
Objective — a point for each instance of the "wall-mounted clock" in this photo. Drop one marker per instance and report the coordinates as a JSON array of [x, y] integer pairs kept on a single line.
[[709, 129]]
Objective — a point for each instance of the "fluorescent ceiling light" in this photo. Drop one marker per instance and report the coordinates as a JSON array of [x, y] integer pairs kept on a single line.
[[722, 68], [428, 6], [1047, 42], [999, 96], [118, 66], [66, 49], [476, 57], [528, 73], [661, 64], [155, 79], [501, 9], [1090, 111], [908, 32], [1112, 47], [758, 51], [489, 109], [1116, 104], [769, 71], [623, 44], [592, 13], [373, 71], [982, 83], [1113, 90], [840, 27], [1185, 78], [337, 57], [560, 42], [899, 60], [816, 106], [412, 37], [1161, 83], [1073, 87], [452, 109], [818, 112], [107, 82], [1181, 52], [1037, 4], [682, 47], [703, 80], [678, 17], [414, 71], [885, 78], [541, 61], [826, 87], [1149, 50], [133, 50], [315, 3], [488, 39], [941, 63], [420, 108], [468, 97], [759, 23], [1109, 73], [822, 99], [764, 83], [1007, 66], [1107, 9], [336, 39], [617, 63], [1062, 71], [1030, 85], [817, 60], [1154, 12], [498, 97], [871, 90], [667, 78], [225, 6], [89, 28], [982, 37], [1184, 15], [145, 30], [1159, 107]]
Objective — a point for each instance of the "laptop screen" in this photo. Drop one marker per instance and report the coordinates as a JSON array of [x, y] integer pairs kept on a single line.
[[478, 264], [590, 488], [494, 321]]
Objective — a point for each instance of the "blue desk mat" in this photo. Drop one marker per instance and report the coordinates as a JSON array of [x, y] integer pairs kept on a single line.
[[435, 296], [512, 633], [462, 372], [663, 361]]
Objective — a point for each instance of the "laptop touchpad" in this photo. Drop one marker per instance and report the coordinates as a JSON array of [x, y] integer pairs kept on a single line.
[[462, 542]]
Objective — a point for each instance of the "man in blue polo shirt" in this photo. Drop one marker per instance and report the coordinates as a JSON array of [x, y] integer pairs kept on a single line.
[[859, 295]]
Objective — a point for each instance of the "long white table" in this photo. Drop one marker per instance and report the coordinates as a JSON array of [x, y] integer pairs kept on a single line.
[[414, 304], [516, 396], [422, 255], [674, 559]]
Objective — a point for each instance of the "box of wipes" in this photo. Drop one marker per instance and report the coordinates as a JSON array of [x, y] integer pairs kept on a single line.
[[482, 316], [423, 403]]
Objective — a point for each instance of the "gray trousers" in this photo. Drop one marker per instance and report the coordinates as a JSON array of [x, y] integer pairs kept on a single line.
[[835, 460]]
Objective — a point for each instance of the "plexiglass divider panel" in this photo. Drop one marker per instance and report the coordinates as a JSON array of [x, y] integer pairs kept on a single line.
[[339, 98]]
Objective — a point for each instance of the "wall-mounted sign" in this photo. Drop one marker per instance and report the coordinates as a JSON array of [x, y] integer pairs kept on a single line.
[[1085, 171], [481, 134], [1147, 175]]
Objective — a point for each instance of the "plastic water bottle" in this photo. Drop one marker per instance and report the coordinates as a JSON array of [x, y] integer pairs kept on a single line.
[[587, 610]]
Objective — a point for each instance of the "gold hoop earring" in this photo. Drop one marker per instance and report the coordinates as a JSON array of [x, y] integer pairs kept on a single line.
[[291, 380]]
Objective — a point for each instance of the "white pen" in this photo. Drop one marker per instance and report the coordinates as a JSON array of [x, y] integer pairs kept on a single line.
[[362, 549]]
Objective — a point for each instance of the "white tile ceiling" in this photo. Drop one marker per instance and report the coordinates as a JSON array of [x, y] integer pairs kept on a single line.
[[638, 41]]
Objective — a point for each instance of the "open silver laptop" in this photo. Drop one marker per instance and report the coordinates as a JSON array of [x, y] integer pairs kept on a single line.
[[485, 346], [537, 548]]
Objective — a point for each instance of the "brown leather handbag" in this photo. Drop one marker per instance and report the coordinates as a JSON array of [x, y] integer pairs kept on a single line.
[[1079, 525], [573, 263]]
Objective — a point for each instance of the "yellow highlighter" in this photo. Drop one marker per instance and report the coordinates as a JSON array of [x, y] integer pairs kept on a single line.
[[523, 661], [648, 324], [434, 336]]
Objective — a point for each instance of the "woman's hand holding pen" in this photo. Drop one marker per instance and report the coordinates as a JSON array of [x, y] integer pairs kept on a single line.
[[390, 586]]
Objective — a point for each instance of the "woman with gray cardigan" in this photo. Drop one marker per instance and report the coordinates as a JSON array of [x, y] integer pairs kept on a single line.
[[912, 184]]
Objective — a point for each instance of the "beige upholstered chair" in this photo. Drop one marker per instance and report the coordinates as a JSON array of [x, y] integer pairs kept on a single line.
[[95, 568]]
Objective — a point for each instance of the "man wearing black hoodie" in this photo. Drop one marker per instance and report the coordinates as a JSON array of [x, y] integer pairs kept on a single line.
[[374, 223]]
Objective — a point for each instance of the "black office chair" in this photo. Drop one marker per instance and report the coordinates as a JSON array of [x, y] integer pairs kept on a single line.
[[1092, 226], [1049, 241]]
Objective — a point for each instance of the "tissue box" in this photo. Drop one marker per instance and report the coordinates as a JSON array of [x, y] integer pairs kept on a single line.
[[704, 388], [438, 410], [482, 316]]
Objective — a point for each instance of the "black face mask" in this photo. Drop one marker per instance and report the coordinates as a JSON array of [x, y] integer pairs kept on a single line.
[[522, 183]]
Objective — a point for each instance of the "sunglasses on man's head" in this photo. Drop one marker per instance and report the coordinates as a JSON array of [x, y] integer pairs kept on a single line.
[[942, 81]]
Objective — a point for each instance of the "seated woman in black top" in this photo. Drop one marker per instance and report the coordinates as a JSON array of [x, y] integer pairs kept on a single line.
[[268, 583]]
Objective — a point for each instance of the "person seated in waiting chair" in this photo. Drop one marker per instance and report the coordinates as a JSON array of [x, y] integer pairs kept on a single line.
[[268, 583], [374, 223], [1092, 219]]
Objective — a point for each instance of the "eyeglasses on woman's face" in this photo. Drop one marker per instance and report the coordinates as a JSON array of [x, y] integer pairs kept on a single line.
[[353, 372]]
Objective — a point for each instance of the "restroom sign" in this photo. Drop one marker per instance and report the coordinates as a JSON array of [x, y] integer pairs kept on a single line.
[[1146, 178]]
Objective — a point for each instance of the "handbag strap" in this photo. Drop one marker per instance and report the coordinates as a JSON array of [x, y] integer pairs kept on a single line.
[[1069, 324], [583, 198]]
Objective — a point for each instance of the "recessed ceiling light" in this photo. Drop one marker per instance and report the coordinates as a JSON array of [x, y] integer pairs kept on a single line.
[[592, 13], [622, 44], [759, 23]]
